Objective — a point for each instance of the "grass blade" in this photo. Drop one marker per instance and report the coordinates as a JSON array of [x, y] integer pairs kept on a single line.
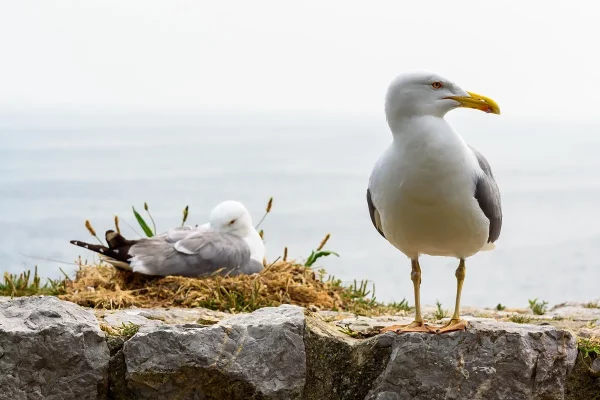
[[142, 223], [186, 210], [318, 254], [150, 215]]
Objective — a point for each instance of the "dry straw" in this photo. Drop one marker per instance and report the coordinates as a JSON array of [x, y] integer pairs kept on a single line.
[[323, 242], [280, 283]]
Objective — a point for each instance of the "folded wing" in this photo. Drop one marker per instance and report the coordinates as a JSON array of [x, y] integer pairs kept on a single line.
[[487, 195], [197, 254]]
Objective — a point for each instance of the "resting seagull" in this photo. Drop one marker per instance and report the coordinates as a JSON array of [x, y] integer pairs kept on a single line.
[[430, 192], [228, 243]]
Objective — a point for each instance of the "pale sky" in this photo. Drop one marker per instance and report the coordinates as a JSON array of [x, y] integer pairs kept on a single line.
[[535, 58]]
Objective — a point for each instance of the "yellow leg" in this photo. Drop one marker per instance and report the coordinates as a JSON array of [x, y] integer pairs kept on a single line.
[[417, 325], [457, 324]]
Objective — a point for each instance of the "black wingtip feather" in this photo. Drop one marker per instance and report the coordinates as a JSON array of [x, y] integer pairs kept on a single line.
[[117, 254]]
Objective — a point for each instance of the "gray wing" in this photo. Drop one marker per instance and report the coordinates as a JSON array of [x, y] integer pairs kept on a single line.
[[202, 253], [487, 195], [374, 214], [181, 232], [175, 234]]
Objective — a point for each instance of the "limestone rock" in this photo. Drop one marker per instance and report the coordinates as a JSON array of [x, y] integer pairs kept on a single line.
[[51, 349], [576, 311], [259, 355], [583, 383], [160, 316], [340, 367], [489, 361], [595, 368], [363, 324]]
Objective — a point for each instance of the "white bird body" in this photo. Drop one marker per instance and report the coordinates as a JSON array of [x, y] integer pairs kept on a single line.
[[228, 244], [430, 192], [424, 184], [256, 244]]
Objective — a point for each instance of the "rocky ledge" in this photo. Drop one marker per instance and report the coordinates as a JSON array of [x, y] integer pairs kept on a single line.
[[51, 349]]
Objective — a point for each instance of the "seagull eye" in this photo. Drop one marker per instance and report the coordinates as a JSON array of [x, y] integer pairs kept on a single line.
[[232, 222], [437, 85]]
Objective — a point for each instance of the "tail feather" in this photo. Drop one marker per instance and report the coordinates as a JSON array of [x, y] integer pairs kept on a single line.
[[117, 241], [116, 263], [98, 248], [118, 246]]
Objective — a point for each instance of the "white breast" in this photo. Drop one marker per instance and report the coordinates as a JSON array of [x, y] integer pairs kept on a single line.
[[423, 188], [256, 244]]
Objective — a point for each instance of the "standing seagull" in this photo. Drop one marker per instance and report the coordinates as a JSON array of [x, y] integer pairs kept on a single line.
[[430, 192]]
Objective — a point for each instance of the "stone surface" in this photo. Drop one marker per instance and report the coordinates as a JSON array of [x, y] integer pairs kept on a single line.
[[54, 349], [257, 355], [51, 349], [583, 384], [160, 316], [575, 311], [340, 367], [589, 333], [595, 368], [117, 370], [363, 324], [489, 361]]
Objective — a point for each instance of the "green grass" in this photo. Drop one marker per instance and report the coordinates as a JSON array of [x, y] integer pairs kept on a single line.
[[362, 296], [592, 304], [357, 293], [520, 319], [440, 313], [315, 255], [538, 307], [129, 329], [589, 347], [25, 284], [400, 306], [346, 330], [207, 321], [318, 253]]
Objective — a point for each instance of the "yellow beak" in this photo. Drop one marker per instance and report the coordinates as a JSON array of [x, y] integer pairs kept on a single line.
[[477, 102]]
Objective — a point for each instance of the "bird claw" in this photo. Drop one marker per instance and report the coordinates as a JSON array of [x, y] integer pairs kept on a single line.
[[453, 325], [412, 327]]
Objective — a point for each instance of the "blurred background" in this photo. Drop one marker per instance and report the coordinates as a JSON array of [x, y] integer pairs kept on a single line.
[[109, 104]]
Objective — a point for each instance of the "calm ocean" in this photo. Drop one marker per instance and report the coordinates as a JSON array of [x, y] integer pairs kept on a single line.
[[58, 169]]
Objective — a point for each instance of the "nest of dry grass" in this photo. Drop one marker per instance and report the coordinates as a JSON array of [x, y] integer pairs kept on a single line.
[[281, 283]]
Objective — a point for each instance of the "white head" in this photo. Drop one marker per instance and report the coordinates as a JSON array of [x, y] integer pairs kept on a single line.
[[231, 217], [425, 93]]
